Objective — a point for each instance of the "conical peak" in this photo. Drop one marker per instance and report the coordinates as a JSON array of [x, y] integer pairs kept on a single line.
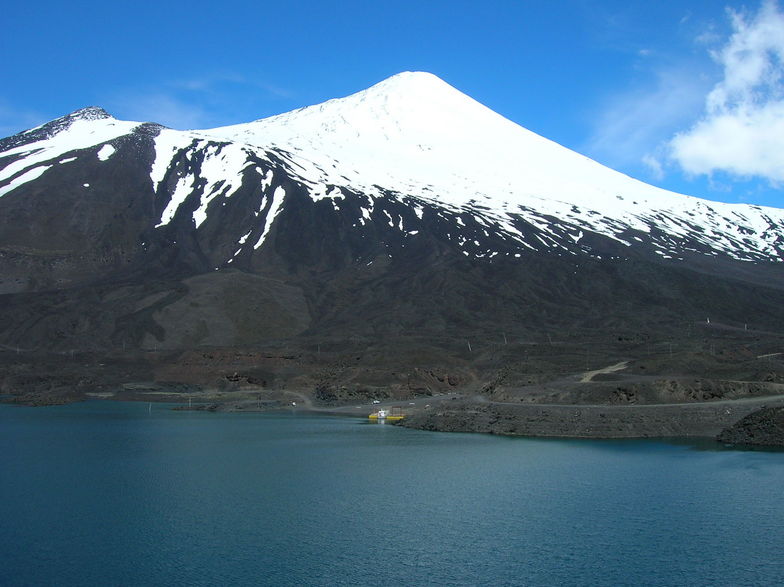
[[409, 106], [425, 89], [410, 112], [415, 77], [412, 81], [409, 103]]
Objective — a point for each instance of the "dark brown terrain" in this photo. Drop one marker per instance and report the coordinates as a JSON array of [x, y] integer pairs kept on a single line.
[[696, 387]]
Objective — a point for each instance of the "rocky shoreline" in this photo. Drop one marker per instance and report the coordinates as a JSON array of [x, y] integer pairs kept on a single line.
[[757, 421], [706, 420]]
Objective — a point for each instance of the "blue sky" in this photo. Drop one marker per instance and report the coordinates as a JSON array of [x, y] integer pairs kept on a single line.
[[686, 95]]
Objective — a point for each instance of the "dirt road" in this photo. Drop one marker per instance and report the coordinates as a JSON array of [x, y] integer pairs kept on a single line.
[[589, 375]]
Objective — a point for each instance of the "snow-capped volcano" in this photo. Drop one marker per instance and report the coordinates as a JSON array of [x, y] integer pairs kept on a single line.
[[415, 139], [406, 206]]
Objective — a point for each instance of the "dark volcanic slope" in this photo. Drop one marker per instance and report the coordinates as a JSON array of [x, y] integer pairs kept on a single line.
[[99, 288]]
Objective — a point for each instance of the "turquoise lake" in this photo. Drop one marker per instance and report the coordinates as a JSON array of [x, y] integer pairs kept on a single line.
[[106, 493]]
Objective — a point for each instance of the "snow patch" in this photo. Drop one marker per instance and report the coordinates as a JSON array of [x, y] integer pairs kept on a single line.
[[222, 171], [182, 190], [167, 144], [274, 209], [24, 178], [266, 180], [244, 238], [389, 218], [105, 152]]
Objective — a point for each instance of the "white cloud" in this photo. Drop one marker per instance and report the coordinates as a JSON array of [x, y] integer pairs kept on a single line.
[[742, 129]]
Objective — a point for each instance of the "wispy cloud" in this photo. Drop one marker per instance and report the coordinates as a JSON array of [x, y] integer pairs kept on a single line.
[[631, 126], [221, 82], [200, 102], [160, 107], [741, 131]]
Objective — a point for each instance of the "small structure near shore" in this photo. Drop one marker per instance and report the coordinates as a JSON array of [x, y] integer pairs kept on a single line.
[[392, 415]]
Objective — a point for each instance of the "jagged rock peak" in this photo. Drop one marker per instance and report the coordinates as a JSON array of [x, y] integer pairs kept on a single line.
[[89, 113], [57, 126]]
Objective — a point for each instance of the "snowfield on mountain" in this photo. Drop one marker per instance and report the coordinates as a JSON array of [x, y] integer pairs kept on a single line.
[[415, 139]]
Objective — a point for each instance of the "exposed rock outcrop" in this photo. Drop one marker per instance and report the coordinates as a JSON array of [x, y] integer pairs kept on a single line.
[[764, 427]]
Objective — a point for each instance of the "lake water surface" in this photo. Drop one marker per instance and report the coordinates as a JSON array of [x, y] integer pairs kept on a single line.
[[107, 493]]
